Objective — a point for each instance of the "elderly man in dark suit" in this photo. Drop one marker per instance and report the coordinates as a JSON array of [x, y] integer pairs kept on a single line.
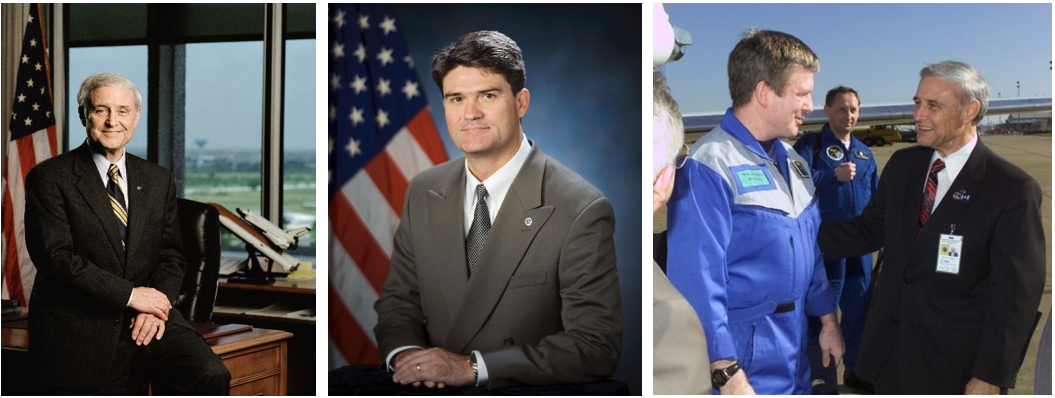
[[101, 229], [504, 269], [964, 267]]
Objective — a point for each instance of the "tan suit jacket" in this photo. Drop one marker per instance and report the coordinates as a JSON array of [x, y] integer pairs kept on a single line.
[[679, 350], [543, 304]]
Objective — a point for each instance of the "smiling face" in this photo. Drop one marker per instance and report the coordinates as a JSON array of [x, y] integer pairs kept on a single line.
[[940, 122], [111, 120], [842, 114], [483, 114], [789, 109]]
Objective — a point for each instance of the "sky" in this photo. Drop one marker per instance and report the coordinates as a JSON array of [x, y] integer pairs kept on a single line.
[[877, 49]]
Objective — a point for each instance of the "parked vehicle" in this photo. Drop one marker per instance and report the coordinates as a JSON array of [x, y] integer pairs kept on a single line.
[[878, 135]]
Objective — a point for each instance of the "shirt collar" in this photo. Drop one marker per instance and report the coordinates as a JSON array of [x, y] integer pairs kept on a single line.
[[103, 165], [498, 183], [955, 161]]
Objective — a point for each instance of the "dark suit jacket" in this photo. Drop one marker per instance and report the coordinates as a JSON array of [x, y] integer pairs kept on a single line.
[[543, 304], [938, 330], [84, 278]]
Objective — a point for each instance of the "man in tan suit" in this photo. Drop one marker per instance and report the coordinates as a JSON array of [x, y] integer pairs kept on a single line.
[[679, 351], [503, 269]]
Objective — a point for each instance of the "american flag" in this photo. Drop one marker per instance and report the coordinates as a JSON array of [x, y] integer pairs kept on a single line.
[[31, 140], [381, 135]]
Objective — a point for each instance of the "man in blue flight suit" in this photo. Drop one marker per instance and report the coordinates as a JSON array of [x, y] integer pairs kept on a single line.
[[742, 227], [845, 174]]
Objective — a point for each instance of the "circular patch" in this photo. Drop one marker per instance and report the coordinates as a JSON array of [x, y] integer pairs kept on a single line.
[[835, 153]]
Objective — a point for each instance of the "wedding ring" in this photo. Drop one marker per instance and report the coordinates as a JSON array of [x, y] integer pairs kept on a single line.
[[418, 366]]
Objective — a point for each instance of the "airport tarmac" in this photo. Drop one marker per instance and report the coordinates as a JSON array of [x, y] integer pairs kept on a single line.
[[1032, 154]]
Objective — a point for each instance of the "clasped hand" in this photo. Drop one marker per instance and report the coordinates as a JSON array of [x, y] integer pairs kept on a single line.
[[434, 367], [146, 327]]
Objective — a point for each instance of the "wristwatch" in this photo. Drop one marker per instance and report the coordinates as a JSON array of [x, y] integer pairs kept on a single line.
[[476, 369], [721, 376]]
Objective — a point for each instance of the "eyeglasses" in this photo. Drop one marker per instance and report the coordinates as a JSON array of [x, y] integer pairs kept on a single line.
[[683, 156]]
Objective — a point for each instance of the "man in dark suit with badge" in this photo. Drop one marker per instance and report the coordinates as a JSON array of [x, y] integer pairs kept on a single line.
[[942, 323], [102, 230]]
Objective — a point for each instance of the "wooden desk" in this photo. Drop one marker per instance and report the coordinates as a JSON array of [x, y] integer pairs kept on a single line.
[[256, 358], [240, 303]]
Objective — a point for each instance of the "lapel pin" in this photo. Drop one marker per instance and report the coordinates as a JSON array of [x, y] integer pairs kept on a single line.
[[139, 187], [527, 221], [961, 195]]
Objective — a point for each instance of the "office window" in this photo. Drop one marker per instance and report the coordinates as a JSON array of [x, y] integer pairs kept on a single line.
[[223, 111], [127, 61], [299, 163]]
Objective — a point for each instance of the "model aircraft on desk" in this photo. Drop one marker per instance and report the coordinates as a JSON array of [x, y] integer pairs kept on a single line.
[[287, 240], [256, 241]]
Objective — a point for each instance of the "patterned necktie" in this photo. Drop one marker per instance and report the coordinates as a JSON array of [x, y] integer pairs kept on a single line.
[[929, 194], [117, 201], [474, 243]]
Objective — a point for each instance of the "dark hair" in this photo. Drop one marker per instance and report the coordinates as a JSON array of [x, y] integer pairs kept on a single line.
[[837, 91], [769, 56], [485, 49]]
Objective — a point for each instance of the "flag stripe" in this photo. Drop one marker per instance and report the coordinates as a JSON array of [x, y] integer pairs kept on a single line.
[[408, 155], [424, 131], [346, 334], [355, 293], [389, 181], [12, 284], [358, 243], [378, 218], [27, 154]]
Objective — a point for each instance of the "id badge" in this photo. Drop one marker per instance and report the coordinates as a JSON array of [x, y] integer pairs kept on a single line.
[[950, 247]]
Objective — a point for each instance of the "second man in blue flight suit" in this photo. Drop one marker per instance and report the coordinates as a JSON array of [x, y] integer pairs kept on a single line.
[[844, 174]]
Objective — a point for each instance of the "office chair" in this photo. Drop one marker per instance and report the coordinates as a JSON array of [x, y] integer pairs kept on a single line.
[[200, 228]]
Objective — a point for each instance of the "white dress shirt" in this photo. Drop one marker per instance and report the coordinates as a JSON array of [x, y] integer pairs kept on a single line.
[[497, 185], [954, 162]]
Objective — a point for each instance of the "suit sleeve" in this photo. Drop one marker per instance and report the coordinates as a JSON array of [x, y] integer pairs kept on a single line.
[[399, 312], [168, 276], [699, 221], [588, 348], [50, 243], [862, 234], [1018, 269]]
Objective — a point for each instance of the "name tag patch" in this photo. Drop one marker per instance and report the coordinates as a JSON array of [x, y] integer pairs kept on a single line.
[[750, 178]]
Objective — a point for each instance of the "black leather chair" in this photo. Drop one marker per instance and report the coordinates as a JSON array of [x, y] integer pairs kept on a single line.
[[200, 227]]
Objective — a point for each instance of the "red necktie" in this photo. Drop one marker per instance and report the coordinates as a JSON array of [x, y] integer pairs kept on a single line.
[[929, 194]]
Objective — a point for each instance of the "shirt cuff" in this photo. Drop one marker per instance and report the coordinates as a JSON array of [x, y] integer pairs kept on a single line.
[[392, 354], [129, 303], [481, 379]]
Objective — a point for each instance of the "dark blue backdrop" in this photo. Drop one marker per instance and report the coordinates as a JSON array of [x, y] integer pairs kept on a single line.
[[583, 67]]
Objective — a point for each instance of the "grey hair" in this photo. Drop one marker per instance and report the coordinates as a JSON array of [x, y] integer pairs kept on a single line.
[[98, 80], [972, 85], [666, 141]]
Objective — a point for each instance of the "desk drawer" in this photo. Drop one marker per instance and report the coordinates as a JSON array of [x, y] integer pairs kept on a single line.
[[268, 386], [256, 361]]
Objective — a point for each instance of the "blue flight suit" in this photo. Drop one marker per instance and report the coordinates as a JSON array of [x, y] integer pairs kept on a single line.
[[839, 201], [742, 248]]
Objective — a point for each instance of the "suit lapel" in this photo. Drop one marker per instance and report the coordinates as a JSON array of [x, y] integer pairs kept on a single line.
[[90, 185], [508, 241], [445, 213], [137, 199], [949, 208], [917, 176]]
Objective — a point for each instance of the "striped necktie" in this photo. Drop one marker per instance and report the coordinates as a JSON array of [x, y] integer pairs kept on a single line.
[[474, 243], [929, 194], [117, 201]]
